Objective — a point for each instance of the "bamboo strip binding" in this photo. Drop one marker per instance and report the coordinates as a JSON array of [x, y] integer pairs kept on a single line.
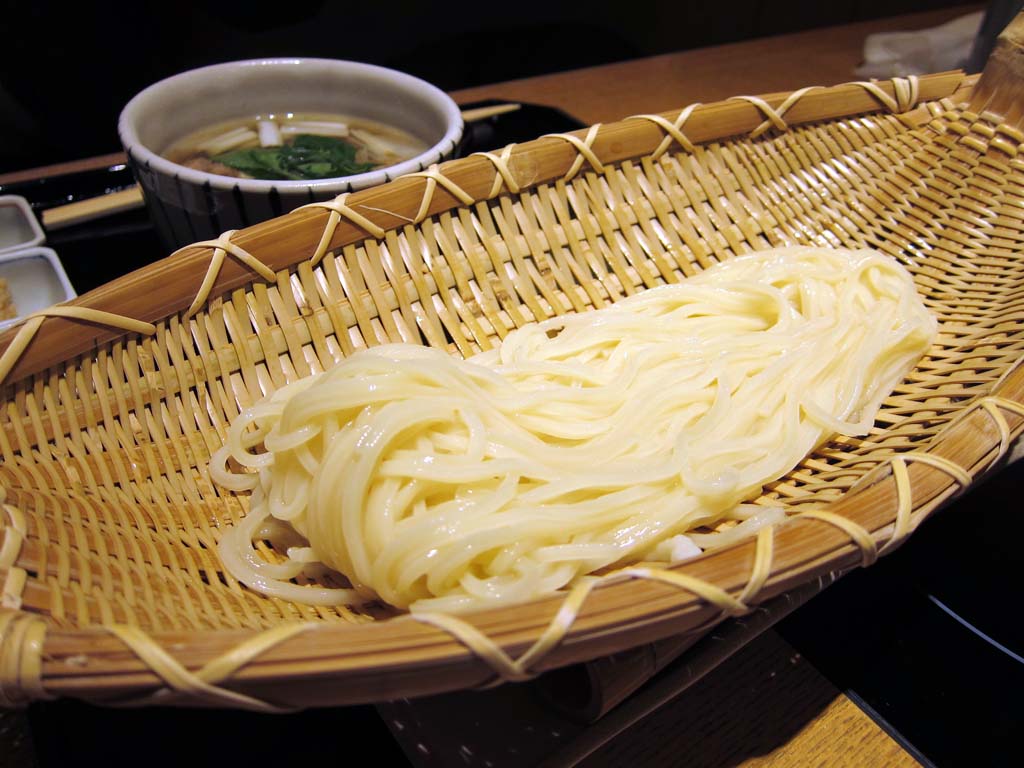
[[20, 669], [23, 635], [907, 91], [508, 670], [585, 152]]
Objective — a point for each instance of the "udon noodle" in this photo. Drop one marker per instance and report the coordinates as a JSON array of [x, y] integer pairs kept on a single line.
[[406, 475]]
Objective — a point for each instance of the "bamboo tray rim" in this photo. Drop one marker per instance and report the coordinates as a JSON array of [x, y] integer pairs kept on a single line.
[[175, 283], [120, 664], [807, 549]]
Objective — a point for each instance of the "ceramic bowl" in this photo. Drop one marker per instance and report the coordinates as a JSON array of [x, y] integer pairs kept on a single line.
[[189, 205]]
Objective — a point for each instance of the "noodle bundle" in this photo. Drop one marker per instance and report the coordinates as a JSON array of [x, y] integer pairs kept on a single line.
[[631, 432]]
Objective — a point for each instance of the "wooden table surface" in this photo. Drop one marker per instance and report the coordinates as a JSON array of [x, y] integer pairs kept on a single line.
[[825, 56], [766, 706]]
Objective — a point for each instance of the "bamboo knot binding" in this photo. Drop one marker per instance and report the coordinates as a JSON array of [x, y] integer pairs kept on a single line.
[[202, 685], [774, 117], [673, 130], [222, 246], [32, 323], [907, 92], [435, 177], [21, 658], [14, 535], [907, 519], [503, 174], [507, 669], [339, 208], [584, 148]]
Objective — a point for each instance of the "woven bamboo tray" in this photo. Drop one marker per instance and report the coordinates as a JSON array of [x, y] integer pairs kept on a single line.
[[112, 590]]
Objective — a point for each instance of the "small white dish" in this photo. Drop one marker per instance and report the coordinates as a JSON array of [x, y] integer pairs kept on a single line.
[[18, 225], [37, 280]]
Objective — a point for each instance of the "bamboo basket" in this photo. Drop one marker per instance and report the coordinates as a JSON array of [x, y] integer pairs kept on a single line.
[[112, 590]]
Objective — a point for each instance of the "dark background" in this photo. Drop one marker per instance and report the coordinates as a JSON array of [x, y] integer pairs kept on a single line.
[[67, 69], [947, 692]]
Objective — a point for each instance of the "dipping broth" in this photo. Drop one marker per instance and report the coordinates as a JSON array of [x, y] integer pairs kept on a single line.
[[294, 146]]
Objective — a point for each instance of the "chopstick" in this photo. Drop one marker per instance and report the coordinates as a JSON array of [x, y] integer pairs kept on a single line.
[[482, 113], [92, 208], [128, 199]]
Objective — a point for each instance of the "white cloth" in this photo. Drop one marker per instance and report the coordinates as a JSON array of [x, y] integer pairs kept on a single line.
[[941, 48]]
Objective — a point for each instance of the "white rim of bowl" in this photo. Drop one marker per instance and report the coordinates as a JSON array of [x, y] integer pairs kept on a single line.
[[147, 158]]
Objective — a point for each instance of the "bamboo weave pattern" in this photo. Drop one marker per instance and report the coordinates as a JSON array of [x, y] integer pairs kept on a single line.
[[110, 520]]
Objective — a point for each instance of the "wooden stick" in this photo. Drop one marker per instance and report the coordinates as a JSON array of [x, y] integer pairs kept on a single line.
[[482, 113], [93, 208], [63, 169]]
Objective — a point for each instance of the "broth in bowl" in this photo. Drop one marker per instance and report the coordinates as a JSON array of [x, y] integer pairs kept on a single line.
[[295, 146], [175, 120]]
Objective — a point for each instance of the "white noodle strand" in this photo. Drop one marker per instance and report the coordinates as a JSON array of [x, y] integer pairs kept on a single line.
[[585, 441]]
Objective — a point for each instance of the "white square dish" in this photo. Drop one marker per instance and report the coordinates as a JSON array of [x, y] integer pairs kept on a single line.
[[37, 280], [18, 225]]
